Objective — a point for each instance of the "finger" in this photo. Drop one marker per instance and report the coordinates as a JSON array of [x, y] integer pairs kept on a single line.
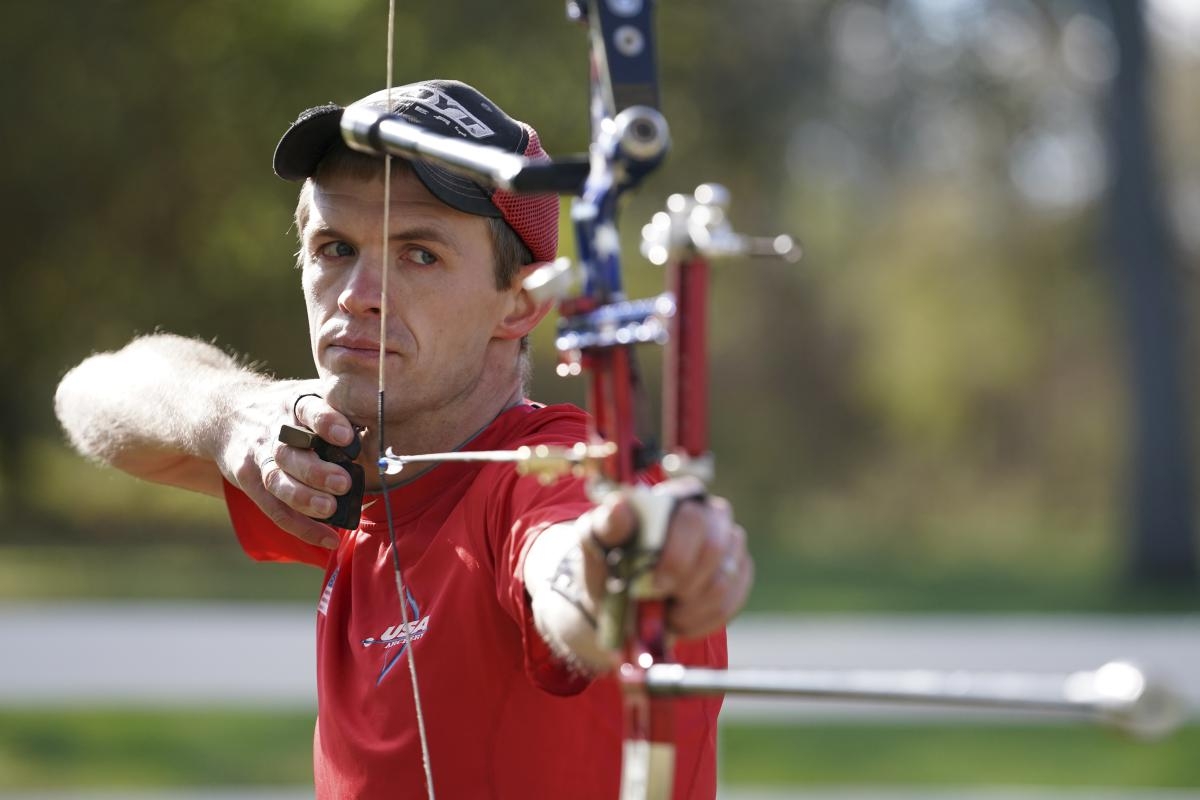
[[741, 582], [700, 619], [698, 540], [303, 528], [283, 486], [318, 416], [287, 518], [718, 602], [311, 470], [613, 522]]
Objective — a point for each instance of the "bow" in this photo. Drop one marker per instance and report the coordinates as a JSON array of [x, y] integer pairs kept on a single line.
[[598, 330]]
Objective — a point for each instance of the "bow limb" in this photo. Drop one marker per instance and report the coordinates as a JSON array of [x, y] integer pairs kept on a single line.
[[629, 140]]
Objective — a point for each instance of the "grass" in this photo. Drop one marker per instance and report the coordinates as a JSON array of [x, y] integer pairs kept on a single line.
[[853, 582], [964, 755], [204, 570], [119, 749], [212, 567], [115, 749]]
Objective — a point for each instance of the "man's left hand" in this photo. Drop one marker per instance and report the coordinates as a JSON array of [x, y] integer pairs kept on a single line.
[[704, 570]]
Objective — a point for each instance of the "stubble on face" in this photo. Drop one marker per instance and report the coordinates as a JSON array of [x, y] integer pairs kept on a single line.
[[442, 304]]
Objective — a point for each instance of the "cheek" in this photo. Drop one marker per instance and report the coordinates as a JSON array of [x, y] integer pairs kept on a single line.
[[313, 306], [308, 287], [309, 290], [315, 285]]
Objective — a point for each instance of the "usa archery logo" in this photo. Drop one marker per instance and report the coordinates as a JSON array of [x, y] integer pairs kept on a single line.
[[398, 637]]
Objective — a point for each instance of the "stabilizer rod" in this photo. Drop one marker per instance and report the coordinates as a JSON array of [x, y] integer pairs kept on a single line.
[[1118, 694], [370, 130]]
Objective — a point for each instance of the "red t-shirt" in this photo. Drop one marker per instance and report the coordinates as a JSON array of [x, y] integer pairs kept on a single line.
[[504, 718]]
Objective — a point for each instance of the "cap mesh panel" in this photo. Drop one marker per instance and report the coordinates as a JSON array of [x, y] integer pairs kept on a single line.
[[533, 216]]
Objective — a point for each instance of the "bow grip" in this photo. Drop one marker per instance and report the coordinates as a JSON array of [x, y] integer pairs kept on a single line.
[[349, 505], [654, 506], [631, 565]]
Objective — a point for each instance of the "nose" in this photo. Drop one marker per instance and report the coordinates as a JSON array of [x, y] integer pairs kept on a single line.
[[363, 292]]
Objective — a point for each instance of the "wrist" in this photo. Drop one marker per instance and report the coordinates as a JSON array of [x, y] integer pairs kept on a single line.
[[565, 596]]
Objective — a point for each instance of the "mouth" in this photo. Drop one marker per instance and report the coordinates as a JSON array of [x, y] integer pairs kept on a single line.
[[356, 349], [363, 347]]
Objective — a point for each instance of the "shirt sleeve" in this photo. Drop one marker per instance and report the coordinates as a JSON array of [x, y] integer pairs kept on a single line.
[[525, 510], [517, 510], [262, 539]]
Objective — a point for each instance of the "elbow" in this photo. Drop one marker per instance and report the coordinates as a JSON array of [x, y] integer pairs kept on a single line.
[[84, 411], [74, 411]]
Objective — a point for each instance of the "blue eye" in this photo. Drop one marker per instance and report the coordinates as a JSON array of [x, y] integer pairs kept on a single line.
[[422, 256], [337, 249]]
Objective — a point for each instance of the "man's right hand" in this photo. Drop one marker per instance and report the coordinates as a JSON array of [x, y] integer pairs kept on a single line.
[[292, 485]]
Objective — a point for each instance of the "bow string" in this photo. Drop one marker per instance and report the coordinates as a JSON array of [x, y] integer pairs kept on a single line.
[[397, 567]]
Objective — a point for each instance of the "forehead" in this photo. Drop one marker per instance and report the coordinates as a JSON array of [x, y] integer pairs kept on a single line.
[[344, 200]]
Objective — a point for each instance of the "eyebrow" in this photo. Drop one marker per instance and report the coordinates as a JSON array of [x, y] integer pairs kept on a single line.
[[423, 233]]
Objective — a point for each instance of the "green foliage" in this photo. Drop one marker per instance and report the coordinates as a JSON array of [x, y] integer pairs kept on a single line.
[[945, 359], [207, 566]]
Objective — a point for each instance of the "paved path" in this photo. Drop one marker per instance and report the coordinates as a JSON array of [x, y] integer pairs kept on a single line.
[[198, 654], [164, 653]]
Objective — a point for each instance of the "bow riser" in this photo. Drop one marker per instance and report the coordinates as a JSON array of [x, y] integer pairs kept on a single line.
[[685, 361]]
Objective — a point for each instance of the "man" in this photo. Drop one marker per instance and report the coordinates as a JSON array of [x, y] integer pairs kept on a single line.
[[502, 575]]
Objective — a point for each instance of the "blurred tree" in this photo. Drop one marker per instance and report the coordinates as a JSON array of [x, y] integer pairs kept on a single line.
[[1162, 542], [940, 365], [137, 169]]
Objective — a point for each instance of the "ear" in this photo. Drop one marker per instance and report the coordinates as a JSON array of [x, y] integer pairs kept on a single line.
[[523, 313]]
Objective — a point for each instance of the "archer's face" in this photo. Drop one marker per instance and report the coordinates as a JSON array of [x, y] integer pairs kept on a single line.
[[444, 312]]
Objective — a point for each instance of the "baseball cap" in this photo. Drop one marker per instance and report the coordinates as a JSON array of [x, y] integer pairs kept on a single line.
[[450, 108]]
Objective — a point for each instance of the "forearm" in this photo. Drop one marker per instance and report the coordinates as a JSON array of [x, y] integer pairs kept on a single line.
[[564, 605], [155, 408]]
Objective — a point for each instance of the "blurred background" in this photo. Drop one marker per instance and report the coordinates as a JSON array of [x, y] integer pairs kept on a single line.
[[973, 398]]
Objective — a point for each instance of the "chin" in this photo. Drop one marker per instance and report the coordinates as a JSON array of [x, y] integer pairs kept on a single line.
[[356, 398]]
